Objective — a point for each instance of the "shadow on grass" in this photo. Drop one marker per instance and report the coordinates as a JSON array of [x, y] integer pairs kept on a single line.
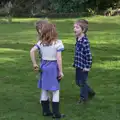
[[17, 45], [106, 52], [68, 25]]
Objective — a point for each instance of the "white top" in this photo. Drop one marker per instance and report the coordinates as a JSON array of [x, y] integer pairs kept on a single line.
[[49, 52]]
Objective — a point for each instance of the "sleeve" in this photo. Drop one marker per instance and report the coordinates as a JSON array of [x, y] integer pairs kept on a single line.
[[88, 54], [38, 45], [60, 46]]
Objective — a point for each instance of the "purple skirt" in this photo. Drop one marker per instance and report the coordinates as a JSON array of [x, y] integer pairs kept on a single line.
[[48, 77]]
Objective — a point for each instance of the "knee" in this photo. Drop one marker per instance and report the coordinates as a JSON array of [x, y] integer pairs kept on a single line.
[[44, 95], [82, 84], [56, 96]]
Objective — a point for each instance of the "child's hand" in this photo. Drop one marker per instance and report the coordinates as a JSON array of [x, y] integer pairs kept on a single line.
[[60, 76], [35, 66], [86, 70]]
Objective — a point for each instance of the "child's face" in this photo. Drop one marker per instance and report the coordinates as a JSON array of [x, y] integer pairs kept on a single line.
[[77, 30]]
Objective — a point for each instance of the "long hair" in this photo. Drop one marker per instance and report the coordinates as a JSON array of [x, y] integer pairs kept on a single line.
[[48, 34], [39, 26]]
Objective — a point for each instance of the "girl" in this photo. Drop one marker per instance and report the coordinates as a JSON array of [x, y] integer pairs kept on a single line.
[[51, 67], [39, 26]]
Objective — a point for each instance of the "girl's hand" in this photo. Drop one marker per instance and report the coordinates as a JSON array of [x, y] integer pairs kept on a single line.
[[60, 76], [36, 68]]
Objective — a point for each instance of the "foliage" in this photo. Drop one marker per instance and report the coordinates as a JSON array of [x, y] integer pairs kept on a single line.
[[38, 7]]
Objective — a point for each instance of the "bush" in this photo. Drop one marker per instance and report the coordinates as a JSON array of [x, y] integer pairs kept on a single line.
[[62, 15]]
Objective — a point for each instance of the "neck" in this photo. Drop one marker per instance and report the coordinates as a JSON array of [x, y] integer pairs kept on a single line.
[[80, 36]]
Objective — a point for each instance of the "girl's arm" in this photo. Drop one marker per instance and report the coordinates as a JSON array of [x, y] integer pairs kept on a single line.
[[59, 62], [32, 55]]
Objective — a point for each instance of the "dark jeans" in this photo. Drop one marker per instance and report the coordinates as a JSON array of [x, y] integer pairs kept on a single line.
[[81, 81]]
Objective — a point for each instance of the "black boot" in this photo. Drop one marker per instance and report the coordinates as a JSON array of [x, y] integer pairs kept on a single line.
[[46, 108], [55, 108]]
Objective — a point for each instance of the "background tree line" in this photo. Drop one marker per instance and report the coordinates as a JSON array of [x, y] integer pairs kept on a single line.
[[39, 8]]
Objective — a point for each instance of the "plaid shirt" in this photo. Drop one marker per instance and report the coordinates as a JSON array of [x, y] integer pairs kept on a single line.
[[83, 56]]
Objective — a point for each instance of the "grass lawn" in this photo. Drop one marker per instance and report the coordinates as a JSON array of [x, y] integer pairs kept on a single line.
[[19, 96]]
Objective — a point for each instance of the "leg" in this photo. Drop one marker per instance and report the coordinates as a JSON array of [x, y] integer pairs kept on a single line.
[[84, 92], [81, 79], [87, 91], [45, 103], [44, 95], [55, 105], [78, 75], [49, 96], [56, 95], [91, 93]]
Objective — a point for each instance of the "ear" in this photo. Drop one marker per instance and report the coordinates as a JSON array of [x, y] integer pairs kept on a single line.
[[85, 30]]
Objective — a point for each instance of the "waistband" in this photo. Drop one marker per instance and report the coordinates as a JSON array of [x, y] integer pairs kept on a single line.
[[49, 60]]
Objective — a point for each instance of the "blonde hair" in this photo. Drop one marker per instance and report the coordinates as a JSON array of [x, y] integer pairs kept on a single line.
[[48, 34], [83, 24]]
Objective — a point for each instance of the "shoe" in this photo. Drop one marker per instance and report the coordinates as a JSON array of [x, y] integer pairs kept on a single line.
[[47, 114], [91, 95], [46, 108], [56, 113], [82, 101]]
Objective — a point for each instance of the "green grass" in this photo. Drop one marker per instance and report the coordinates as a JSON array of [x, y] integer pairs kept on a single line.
[[19, 96]]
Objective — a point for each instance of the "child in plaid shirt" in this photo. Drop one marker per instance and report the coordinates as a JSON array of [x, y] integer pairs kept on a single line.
[[82, 60]]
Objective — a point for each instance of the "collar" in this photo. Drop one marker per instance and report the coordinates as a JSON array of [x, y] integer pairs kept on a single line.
[[81, 38]]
